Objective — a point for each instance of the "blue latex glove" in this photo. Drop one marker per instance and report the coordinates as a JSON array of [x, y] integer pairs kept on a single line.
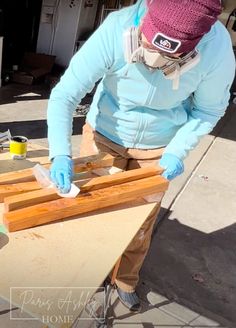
[[173, 166], [62, 172]]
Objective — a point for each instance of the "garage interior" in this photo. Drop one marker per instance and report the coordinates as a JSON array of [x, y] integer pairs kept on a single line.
[[25, 27]]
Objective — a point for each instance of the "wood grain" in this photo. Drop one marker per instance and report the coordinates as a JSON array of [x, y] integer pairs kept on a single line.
[[63, 208], [18, 188], [80, 165], [25, 175], [44, 195]]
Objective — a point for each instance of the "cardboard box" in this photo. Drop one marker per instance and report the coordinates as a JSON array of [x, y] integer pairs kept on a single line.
[[23, 78], [33, 67]]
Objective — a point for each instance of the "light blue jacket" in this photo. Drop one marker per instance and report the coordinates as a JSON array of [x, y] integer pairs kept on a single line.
[[137, 108]]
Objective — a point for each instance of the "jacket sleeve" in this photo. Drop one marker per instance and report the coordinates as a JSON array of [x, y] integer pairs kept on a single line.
[[87, 66], [209, 103]]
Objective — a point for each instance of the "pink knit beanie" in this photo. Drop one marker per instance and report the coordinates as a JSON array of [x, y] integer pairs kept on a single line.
[[176, 26]]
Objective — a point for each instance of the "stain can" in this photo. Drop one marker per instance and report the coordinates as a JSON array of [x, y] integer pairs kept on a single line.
[[18, 147]]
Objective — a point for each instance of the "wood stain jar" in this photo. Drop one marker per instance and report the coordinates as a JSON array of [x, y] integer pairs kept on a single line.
[[18, 147]]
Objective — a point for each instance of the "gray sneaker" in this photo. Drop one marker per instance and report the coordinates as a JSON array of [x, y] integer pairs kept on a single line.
[[130, 300]]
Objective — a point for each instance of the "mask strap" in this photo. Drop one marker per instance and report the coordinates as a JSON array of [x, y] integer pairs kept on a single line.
[[176, 78], [135, 53]]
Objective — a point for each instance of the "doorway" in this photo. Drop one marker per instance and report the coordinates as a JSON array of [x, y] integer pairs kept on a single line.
[[19, 27]]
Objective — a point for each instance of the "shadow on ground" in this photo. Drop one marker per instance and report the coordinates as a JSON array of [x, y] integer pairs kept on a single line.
[[37, 129], [13, 93], [34, 129], [194, 269], [3, 240], [228, 119]]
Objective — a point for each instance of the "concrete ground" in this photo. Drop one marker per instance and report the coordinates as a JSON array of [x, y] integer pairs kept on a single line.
[[188, 278]]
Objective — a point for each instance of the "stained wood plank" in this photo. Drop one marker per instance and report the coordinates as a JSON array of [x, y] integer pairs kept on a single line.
[[12, 203], [92, 162], [20, 176], [18, 188], [44, 195], [63, 208], [80, 165]]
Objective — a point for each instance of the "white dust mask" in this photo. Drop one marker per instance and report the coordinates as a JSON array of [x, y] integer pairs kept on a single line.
[[172, 68], [151, 58]]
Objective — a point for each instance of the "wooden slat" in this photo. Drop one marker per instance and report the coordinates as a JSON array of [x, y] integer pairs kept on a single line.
[[63, 208], [80, 165], [89, 163], [12, 203], [119, 178], [20, 176], [44, 195], [18, 188]]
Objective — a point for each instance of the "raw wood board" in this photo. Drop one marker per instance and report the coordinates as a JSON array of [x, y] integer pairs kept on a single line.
[[73, 253]]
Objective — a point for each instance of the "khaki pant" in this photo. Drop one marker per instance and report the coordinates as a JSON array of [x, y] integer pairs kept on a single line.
[[127, 159]]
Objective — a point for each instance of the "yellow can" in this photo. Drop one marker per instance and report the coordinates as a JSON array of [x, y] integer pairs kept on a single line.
[[18, 147]]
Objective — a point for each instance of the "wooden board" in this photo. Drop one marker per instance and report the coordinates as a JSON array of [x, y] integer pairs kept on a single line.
[[80, 165], [17, 188], [18, 176], [63, 208], [73, 253], [45, 195]]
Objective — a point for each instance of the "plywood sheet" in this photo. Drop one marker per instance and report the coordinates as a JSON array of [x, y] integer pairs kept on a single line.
[[73, 253]]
